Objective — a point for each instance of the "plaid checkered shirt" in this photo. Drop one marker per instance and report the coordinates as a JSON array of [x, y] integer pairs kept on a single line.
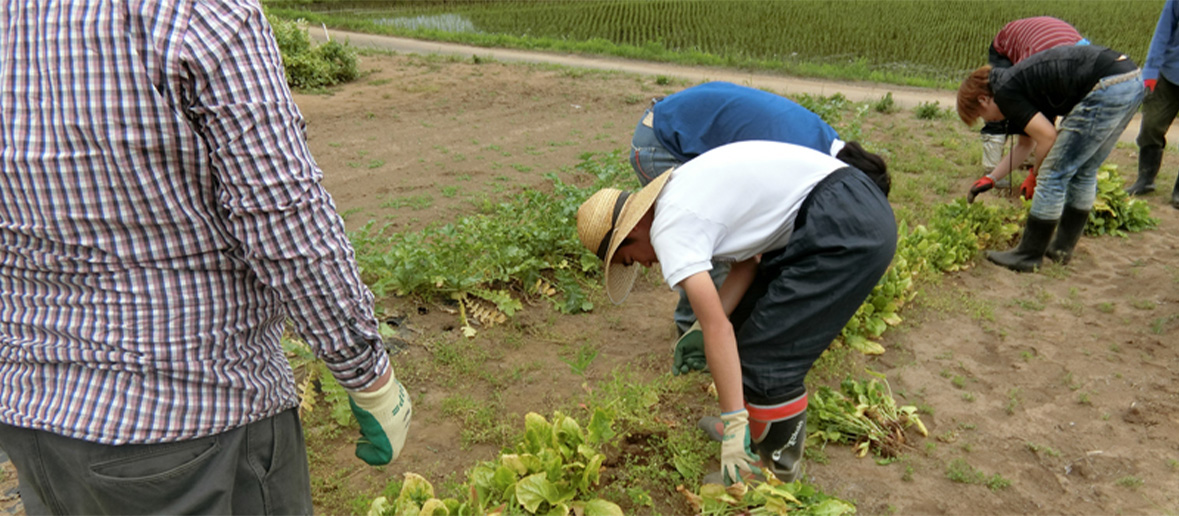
[[161, 219]]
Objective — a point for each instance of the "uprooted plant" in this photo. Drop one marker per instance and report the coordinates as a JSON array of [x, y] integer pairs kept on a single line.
[[864, 414]]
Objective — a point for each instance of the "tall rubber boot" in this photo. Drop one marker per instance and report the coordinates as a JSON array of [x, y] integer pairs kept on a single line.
[[1149, 160], [779, 433], [1028, 256], [1072, 226]]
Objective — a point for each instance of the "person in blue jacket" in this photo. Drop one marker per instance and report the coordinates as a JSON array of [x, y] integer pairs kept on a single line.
[[688, 123], [1160, 73]]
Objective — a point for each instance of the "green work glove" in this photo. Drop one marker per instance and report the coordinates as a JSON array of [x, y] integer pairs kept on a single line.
[[737, 453], [384, 422], [689, 351]]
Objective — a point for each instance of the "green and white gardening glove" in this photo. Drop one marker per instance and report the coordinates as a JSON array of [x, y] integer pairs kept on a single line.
[[384, 422], [737, 453], [689, 351]]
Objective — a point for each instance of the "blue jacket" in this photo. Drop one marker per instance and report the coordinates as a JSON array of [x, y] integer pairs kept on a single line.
[[703, 117], [1163, 56]]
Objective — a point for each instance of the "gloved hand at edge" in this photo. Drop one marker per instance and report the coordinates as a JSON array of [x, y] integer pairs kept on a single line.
[[384, 417], [1028, 188], [1149, 83], [737, 453], [689, 351], [980, 186]]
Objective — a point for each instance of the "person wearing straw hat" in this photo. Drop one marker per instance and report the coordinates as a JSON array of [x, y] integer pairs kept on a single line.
[[807, 236], [694, 120]]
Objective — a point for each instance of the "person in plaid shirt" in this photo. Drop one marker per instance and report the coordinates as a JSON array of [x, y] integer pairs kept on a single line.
[[161, 220]]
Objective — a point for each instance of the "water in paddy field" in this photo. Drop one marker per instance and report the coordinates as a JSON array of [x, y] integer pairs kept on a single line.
[[443, 22]]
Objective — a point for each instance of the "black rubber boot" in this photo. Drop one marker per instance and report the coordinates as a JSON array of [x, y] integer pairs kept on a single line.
[[1072, 226], [781, 447], [1149, 160], [1028, 256]]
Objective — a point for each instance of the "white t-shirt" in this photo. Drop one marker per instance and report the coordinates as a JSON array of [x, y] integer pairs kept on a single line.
[[732, 203]]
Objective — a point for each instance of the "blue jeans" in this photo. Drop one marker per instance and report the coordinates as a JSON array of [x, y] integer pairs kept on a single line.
[[649, 159], [1068, 175]]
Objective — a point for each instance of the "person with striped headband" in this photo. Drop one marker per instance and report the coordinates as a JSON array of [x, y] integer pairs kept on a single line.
[[1096, 91], [807, 237], [1016, 41]]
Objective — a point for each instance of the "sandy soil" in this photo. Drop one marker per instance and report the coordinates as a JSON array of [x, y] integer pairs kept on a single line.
[[1066, 382]]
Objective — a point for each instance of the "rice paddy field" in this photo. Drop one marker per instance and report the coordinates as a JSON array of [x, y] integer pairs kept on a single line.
[[917, 42]]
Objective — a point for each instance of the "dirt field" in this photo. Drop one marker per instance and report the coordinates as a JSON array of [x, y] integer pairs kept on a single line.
[[1065, 383]]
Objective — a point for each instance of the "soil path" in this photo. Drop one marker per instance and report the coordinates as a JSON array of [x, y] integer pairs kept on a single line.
[[905, 96]]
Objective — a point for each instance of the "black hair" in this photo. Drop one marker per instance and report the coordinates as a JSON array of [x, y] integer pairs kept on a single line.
[[873, 165]]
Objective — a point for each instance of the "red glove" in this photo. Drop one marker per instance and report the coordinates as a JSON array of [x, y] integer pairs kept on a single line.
[[980, 186], [1028, 188], [1150, 84]]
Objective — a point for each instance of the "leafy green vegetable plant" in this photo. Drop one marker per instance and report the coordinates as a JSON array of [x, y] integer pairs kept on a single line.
[[863, 414], [554, 470], [765, 498], [1115, 212], [524, 246]]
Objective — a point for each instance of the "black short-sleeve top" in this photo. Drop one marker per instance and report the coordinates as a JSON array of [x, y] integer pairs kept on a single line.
[[1052, 82]]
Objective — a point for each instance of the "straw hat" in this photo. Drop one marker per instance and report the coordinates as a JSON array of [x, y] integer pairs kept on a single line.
[[605, 219]]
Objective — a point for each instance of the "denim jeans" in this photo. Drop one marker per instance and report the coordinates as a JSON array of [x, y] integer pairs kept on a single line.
[[649, 159], [260, 468], [1068, 175]]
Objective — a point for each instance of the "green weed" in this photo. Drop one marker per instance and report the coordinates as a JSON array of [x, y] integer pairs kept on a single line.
[[886, 104], [481, 420], [1129, 482], [1159, 326], [1014, 398], [1143, 304], [582, 360], [1046, 450], [928, 111]]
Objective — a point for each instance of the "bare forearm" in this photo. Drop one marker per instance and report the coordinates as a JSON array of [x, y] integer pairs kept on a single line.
[[736, 283], [1018, 154], [720, 348], [1041, 130], [720, 342]]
